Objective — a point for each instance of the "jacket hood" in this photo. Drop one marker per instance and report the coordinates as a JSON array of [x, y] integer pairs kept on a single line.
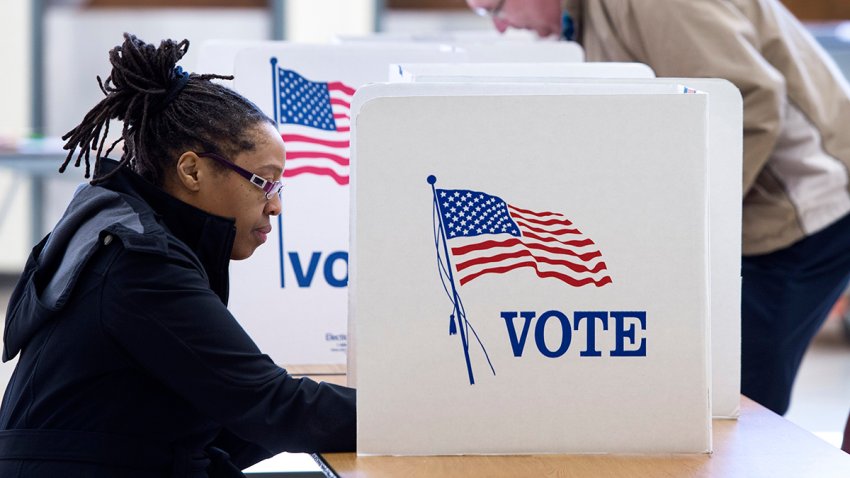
[[125, 207]]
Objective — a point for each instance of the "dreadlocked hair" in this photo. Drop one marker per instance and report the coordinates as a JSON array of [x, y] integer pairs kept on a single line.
[[159, 126]]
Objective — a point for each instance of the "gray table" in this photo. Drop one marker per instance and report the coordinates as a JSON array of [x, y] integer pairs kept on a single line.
[[39, 166]]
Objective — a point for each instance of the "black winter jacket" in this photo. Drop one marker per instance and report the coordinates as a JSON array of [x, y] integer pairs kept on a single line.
[[130, 363]]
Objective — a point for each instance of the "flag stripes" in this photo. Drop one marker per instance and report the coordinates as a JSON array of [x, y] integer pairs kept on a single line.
[[544, 241], [314, 123]]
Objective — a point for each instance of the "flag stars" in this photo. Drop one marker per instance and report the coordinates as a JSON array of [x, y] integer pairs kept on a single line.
[[469, 213], [305, 102]]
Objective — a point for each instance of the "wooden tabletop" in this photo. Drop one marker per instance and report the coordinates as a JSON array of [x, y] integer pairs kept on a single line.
[[320, 373], [758, 444]]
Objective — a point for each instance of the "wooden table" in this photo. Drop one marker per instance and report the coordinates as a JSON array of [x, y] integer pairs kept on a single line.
[[759, 444], [320, 373]]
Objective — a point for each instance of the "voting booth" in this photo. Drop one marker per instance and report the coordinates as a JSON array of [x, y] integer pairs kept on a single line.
[[303, 271], [576, 289], [725, 153], [530, 270], [482, 46], [513, 72], [307, 89], [526, 52]]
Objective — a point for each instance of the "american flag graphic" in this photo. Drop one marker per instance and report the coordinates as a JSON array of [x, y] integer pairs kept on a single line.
[[489, 236], [314, 121]]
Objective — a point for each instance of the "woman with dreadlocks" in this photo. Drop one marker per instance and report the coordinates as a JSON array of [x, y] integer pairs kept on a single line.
[[130, 363]]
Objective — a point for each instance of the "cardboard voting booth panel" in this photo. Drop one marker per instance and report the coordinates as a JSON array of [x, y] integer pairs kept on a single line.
[[596, 87], [726, 152], [529, 270], [484, 46], [442, 36], [725, 157], [507, 72], [291, 295], [526, 52]]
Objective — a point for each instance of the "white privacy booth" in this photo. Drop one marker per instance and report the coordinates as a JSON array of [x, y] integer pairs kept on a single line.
[[485, 46], [725, 153], [441, 36], [291, 294], [303, 270], [510, 72], [526, 52], [530, 268]]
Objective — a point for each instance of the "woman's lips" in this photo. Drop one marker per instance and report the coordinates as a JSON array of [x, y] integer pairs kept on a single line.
[[262, 233]]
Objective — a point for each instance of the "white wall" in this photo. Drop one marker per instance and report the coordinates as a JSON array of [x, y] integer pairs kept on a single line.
[[316, 21], [78, 41], [15, 94], [15, 57], [419, 21]]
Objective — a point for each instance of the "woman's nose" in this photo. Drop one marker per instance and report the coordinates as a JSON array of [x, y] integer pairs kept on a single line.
[[274, 205]]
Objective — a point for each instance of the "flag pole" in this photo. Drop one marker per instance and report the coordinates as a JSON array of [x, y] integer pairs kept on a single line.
[[276, 98], [276, 109], [455, 296]]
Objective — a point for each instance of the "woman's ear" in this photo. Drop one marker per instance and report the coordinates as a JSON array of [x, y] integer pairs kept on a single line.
[[188, 169]]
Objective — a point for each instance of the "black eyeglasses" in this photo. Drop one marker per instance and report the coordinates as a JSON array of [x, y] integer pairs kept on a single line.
[[492, 12], [271, 188]]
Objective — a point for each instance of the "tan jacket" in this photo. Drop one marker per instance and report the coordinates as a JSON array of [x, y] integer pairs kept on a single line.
[[796, 102]]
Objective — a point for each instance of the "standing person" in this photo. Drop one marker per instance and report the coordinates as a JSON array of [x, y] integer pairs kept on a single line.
[[130, 363], [796, 228]]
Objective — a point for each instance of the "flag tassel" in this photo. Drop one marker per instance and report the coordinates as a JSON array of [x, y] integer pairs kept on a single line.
[[452, 326]]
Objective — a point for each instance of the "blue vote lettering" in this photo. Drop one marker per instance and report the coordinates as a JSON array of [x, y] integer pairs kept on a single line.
[[623, 332], [304, 275], [590, 350], [329, 269], [517, 344], [566, 334], [626, 325]]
